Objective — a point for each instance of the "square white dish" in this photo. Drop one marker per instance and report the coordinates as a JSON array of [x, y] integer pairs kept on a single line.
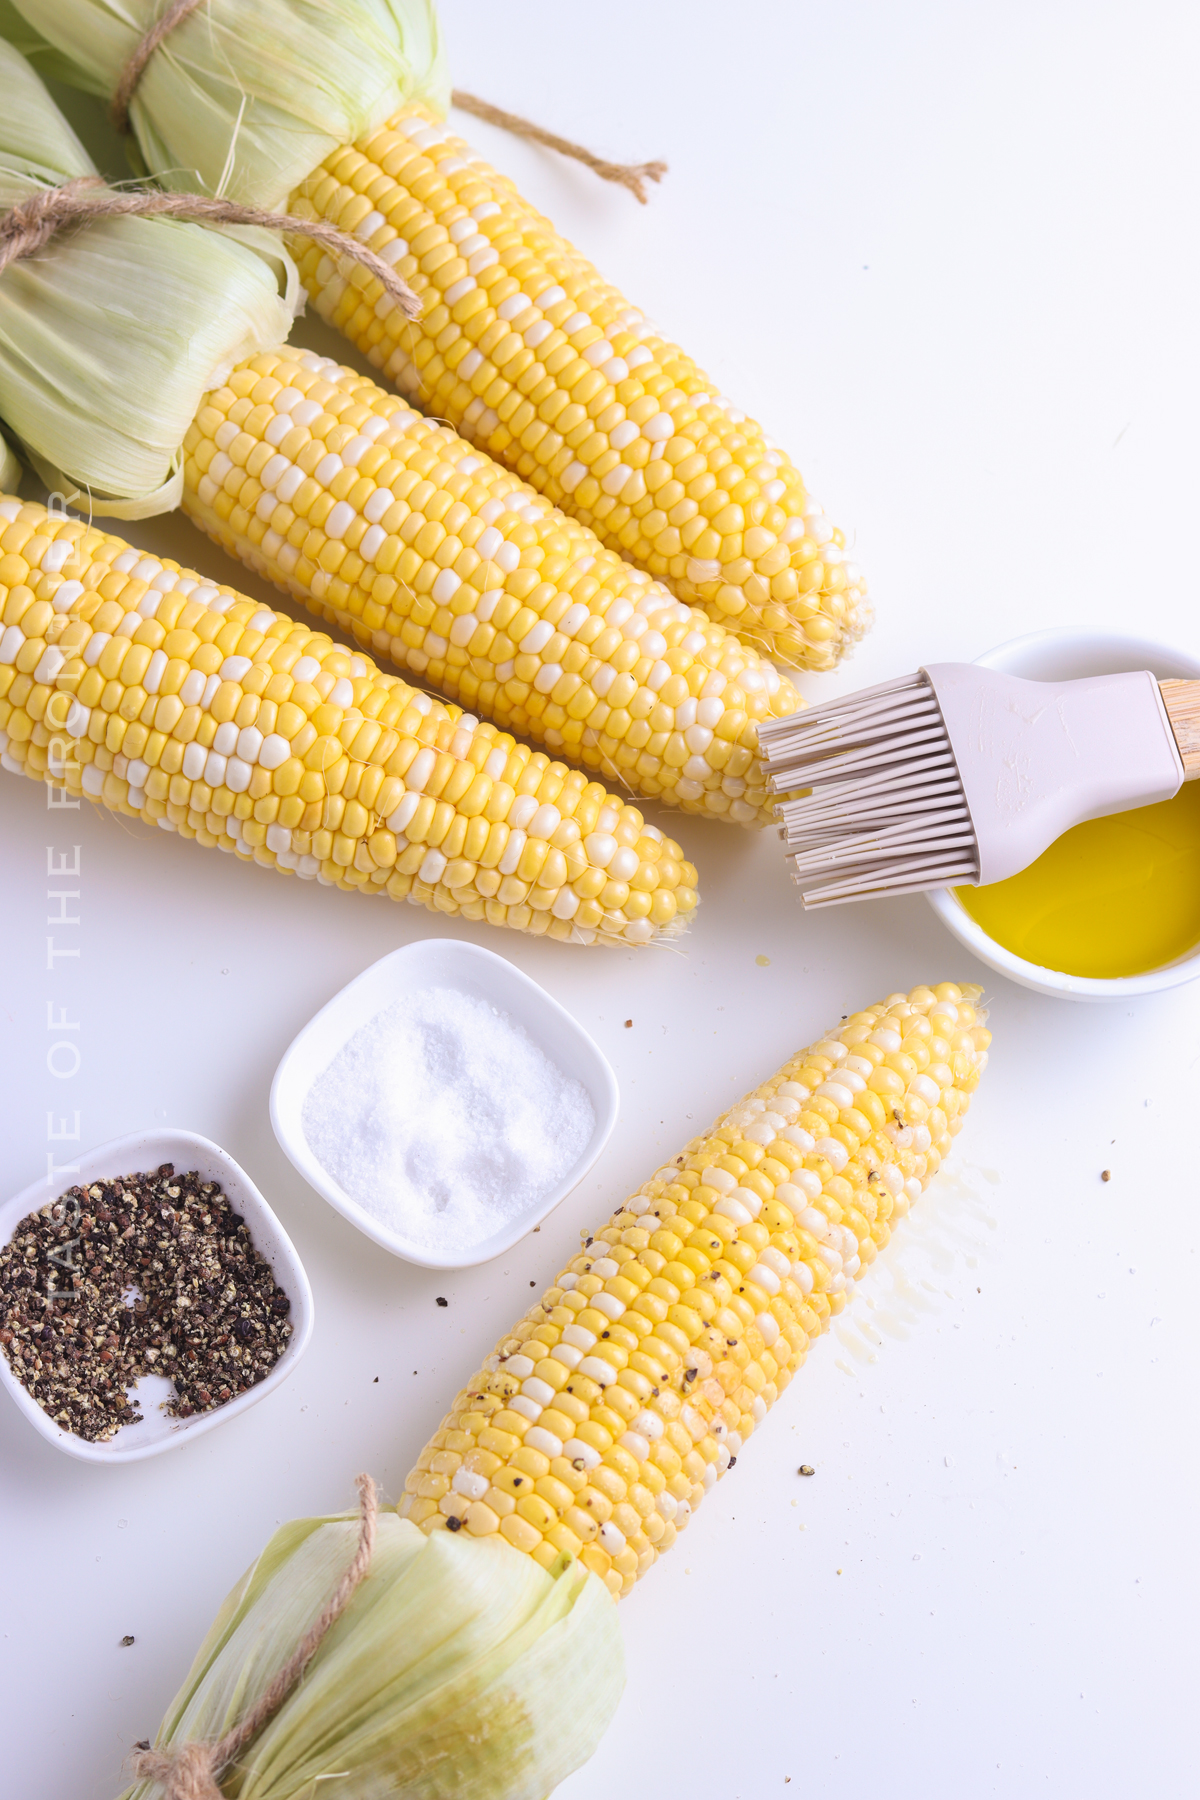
[[144, 1151], [439, 962]]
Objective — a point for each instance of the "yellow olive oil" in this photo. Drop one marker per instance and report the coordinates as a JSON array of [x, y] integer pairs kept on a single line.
[[1116, 896]]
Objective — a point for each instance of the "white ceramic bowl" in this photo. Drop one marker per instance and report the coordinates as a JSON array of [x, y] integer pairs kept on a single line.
[[439, 962], [1062, 656], [155, 1431]]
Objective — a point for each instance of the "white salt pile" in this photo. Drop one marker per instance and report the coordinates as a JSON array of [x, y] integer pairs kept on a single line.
[[443, 1120]]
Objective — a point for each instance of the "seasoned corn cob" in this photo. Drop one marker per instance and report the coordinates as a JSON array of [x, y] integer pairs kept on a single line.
[[437, 557], [155, 692], [531, 355], [596, 1428]]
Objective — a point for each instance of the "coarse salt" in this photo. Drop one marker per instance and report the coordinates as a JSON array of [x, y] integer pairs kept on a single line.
[[444, 1120]]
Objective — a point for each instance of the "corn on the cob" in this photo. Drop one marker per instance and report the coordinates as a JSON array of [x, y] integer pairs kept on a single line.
[[435, 556], [596, 1428], [155, 692], [531, 355], [523, 346], [414, 573]]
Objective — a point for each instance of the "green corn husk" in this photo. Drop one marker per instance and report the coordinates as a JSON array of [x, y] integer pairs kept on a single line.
[[110, 335], [10, 469], [246, 97], [459, 1668]]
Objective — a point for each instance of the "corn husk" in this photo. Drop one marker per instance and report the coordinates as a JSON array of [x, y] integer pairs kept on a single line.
[[246, 97], [110, 335], [21, 35], [460, 1668], [10, 469]]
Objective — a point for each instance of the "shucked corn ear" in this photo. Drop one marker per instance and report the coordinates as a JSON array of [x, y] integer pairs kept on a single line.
[[145, 687], [598, 1425], [528, 352], [441, 559]]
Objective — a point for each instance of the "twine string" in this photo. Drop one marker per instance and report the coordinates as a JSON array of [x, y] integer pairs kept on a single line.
[[193, 1771], [31, 225], [632, 176], [134, 69]]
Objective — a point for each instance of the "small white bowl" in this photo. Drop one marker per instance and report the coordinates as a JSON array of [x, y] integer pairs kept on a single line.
[[439, 962], [144, 1151], [1063, 656]]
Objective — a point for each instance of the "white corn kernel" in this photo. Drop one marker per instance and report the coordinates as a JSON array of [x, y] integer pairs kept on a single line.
[[595, 1367], [537, 1438]]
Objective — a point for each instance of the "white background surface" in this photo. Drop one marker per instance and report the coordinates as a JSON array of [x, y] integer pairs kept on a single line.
[[948, 254]]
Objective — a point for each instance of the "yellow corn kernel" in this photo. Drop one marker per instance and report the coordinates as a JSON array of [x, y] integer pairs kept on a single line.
[[520, 1533]]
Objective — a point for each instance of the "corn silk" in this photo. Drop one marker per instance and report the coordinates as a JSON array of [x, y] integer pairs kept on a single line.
[[460, 1668], [246, 97], [111, 333]]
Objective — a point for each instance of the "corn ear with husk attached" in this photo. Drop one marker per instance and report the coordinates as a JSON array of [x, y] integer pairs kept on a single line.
[[654, 1356], [455, 570], [522, 346]]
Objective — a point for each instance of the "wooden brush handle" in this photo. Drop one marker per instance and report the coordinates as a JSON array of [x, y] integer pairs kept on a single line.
[[1182, 701]]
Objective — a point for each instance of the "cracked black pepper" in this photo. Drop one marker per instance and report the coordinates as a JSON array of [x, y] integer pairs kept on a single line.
[[147, 1274]]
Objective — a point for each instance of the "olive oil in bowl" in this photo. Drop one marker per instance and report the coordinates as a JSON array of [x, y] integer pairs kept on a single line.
[[1114, 897]]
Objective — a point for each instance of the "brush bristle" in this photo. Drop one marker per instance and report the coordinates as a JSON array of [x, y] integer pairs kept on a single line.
[[882, 809]]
